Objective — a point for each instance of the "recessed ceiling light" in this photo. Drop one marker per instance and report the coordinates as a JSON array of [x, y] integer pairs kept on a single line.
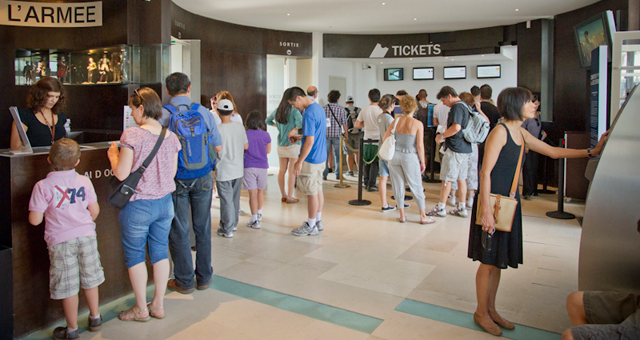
[[517, 9], [483, 55], [415, 18], [288, 13], [384, 3], [410, 58], [380, 62]]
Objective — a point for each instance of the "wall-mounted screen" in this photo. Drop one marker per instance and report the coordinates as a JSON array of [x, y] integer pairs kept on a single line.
[[592, 33], [423, 73], [488, 71], [392, 74], [455, 72]]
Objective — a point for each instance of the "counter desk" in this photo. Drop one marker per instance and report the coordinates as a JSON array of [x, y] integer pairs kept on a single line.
[[33, 309]]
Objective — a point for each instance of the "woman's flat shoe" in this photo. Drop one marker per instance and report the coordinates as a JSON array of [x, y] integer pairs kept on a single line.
[[283, 200], [292, 200], [131, 315], [493, 330], [401, 220], [428, 221], [504, 323], [154, 313]]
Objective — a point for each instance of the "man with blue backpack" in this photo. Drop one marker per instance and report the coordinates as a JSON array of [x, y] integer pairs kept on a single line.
[[200, 140]]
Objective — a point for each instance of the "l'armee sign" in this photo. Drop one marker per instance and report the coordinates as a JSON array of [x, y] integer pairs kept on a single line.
[[47, 14]]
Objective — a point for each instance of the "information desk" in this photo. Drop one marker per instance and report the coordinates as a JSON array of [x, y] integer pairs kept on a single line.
[[32, 307]]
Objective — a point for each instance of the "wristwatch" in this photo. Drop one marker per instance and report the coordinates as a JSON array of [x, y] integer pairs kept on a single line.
[[589, 153]]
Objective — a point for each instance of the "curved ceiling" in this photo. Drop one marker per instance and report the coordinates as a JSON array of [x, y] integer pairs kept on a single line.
[[378, 16]]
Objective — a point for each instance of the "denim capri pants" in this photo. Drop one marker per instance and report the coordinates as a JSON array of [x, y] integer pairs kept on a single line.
[[146, 222]]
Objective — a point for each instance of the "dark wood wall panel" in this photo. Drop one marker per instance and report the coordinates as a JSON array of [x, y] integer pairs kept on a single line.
[[571, 106], [529, 55]]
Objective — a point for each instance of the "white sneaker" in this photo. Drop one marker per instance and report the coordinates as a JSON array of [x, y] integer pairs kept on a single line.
[[260, 217], [451, 201], [459, 212], [437, 212], [470, 203], [305, 230], [253, 224]]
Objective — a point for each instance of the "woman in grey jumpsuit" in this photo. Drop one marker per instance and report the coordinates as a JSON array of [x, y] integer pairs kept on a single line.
[[408, 161]]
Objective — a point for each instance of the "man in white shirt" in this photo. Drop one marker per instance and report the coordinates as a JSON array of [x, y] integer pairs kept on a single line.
[[368, 120], [312, 92]]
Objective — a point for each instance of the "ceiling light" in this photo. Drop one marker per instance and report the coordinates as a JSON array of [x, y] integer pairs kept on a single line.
[[415, 18], [288, 13], [380, 62], [410, 58], [517, 9], [483, 55], [384, 3]]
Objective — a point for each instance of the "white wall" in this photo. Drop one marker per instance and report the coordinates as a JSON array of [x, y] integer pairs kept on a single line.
[[509, 76], [275, 88]]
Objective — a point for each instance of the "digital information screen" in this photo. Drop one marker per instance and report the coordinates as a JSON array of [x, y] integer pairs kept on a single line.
[[423, 73], [488, 71], [455, 72], [393, 74]]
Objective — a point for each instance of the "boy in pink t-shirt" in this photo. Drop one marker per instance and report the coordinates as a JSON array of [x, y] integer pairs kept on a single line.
[[67, 203]]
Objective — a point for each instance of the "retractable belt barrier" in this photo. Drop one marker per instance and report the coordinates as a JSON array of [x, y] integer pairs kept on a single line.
[[361, 162]]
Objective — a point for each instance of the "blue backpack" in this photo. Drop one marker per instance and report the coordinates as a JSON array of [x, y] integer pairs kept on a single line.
[[189, 125]]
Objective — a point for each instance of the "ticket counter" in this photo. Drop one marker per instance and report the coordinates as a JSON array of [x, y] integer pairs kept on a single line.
[[32, 307]]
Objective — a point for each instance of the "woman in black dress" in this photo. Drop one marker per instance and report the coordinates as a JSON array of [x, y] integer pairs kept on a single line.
[[502, 151], [42, 120]]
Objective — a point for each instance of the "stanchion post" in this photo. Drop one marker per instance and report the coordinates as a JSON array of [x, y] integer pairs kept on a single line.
[[360, 201], [432, 158], [341, 185], [560, 213]]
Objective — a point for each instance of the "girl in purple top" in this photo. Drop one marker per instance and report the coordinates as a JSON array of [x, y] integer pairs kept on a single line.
[[256, 165]]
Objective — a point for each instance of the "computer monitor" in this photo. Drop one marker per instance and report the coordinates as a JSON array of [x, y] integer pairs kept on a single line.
[[26, 145]]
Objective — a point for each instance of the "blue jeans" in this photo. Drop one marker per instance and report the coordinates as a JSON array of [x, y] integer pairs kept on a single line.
[[335, 141], [145, 222], [194, 194]]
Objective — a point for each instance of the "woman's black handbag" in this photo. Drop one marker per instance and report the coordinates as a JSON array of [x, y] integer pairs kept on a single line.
[[123, 191]]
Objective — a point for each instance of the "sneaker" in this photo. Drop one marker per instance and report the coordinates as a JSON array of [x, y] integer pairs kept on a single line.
[[234, 228], [173, 285], [407, 205], [62, 333], [324, 178], [459, 212], [372, 189], [470, 203], [388, 208], [95, 324], [253, 224], [437, 212], [260, 217], [451, 201], [330, 170], [228, 234], [319, 225], [350, 173], [305, 230]]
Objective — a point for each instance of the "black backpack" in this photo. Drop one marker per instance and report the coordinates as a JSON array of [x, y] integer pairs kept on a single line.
[[350, 121]]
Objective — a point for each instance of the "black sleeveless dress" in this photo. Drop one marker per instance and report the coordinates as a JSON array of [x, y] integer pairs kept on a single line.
[[506, 247]]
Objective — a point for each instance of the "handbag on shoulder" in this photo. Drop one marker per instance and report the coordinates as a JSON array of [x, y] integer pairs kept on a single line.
[[503, 208], [123, 191], [388, 147]]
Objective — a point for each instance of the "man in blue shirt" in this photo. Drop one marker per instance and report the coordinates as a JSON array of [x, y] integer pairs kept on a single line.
[[311, 163], [193, 191]]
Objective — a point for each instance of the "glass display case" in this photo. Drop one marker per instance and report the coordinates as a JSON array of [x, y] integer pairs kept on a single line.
[[121, 64]]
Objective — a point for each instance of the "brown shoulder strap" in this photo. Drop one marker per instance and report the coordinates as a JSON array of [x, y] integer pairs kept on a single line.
[[516, 176]]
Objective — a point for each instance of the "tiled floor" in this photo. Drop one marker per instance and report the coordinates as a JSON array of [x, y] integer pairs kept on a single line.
[[368, 263]]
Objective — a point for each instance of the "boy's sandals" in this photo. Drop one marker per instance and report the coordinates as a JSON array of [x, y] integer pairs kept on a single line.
[[283, 200], [154, 313], [292, 200], [131, 315]]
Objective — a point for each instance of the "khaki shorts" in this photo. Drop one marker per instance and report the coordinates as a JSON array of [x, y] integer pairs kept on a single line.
[[310, 180], [291, 151], [75, 264], [454, 166]]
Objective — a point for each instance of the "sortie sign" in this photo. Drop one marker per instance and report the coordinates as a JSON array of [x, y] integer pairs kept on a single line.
[[46, 14]]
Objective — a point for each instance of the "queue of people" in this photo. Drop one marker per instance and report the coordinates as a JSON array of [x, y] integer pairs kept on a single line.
[[156, 217]]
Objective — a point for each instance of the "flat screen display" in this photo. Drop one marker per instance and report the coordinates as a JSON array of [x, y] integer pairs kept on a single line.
[[423, 73], [488, 71], [592, 33], [393, 74], [455, 72]]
